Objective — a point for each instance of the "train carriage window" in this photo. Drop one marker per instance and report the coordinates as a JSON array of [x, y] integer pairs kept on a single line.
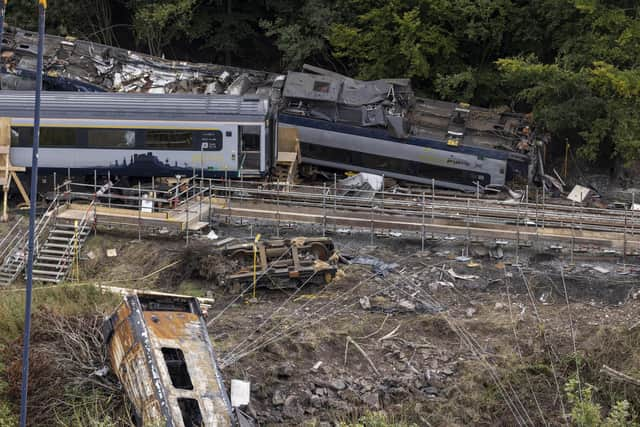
[[57, 137], [15, 137], [190, 410], [111, 138], [177, 367], [49, 137], [169, 139], [22, 136]]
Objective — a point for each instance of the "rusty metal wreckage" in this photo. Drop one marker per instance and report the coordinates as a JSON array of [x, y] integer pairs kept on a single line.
[[159, 349]]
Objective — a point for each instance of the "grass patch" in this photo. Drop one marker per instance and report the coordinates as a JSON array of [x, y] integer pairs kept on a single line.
[[74, 303]]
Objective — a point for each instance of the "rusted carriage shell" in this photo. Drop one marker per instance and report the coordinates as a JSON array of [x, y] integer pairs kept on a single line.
[[159, 348]]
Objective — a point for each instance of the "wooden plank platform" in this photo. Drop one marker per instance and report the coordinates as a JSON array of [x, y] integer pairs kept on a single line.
[[190, 215]]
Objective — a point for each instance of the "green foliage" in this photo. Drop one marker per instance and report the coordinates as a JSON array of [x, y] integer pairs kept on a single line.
[[300, 34], [64, 300], [393, 38], [8, 417], [161, 22], [67, 300], [586, 413]]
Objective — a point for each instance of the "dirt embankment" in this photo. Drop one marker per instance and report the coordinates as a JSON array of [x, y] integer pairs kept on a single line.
[[436, 340]]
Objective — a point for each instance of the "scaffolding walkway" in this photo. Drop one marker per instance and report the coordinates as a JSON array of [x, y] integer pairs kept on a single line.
[[77, 209]]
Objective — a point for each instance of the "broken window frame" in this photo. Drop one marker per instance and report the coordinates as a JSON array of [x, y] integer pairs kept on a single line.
[[177, 368]]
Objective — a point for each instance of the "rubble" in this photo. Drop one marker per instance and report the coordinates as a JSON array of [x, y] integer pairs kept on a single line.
[[78, 65]]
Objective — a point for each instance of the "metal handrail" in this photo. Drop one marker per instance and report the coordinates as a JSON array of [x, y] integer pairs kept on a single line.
[[10, 234], [72, 242]]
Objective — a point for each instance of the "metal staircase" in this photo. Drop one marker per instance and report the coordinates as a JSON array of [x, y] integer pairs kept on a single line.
[[12, 253], [57, 244], [57, 254]]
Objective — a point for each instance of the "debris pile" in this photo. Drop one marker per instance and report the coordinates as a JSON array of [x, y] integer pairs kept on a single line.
[[77, 65]]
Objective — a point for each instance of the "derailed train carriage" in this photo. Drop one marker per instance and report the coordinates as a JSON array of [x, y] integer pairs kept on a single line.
[[142, 135], [338, 122], [379, 127]]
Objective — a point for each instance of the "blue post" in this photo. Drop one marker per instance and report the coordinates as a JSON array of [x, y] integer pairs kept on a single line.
[[32, 216], [3, 5]]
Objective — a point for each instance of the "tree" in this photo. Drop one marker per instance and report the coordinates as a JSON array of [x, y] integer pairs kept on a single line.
[[590, 92], [159, 23], [301, 32]]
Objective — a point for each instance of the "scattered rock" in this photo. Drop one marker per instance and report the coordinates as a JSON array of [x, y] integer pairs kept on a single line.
[[430, 390], [447, 371], [91, 255], [284, 371], [320, 391], [337, 385], [112, 253], [499, 306], [317, 366], [407, 305], [365, 303], [470, 311], [292, 408], [316, 401], [278, 398], [371, 399], [349, 395]]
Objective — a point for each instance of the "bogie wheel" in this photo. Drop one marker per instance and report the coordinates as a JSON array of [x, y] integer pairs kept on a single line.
[[320, 251]]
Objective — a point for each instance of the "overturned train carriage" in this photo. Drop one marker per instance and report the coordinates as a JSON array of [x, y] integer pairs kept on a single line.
[[159, 349], [380, 127]]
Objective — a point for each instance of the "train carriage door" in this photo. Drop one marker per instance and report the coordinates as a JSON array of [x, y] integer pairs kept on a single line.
[[249, 140]]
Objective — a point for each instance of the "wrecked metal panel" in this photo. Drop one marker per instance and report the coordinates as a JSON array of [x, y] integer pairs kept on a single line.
[[312, 87], [72, 64], [160, 350], [283, 263]]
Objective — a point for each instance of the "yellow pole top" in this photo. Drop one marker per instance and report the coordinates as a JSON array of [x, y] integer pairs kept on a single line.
[[43, 3]]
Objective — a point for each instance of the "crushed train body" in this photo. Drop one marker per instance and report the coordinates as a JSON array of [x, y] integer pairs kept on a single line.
[[336, 122], [281, 263], [159, 349]]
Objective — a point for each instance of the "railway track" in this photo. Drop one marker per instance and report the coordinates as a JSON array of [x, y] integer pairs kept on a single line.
[[472, 217]]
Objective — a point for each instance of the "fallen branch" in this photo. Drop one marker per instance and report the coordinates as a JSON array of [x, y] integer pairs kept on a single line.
[[617, 375], [377, 331], [390, 334], [364, 354]]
